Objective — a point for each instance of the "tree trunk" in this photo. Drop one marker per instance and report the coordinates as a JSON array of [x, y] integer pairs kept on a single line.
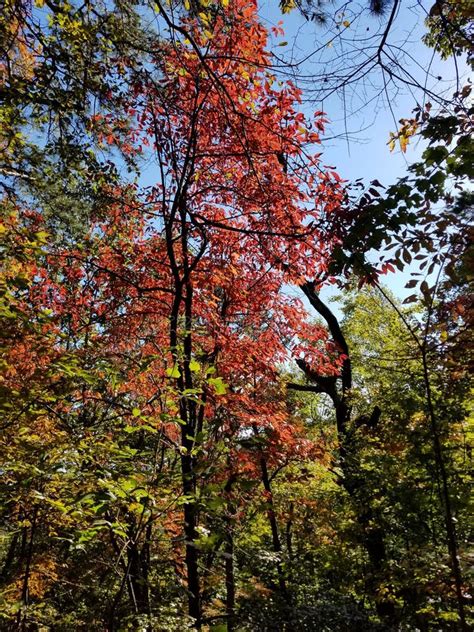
[[274, 528], [230, 579], [190, 524]]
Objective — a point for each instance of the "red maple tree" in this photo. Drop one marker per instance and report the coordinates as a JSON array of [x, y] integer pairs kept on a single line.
[[182, 281]]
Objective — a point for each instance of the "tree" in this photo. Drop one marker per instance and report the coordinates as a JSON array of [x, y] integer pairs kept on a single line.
[[161, 192], [173, 294], [388, 461]]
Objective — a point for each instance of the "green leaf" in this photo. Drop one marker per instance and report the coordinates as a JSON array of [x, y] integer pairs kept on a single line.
[[219, 386], [173, 372], [194, 366]]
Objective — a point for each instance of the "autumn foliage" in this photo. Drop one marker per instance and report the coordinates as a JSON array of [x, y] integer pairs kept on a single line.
[[149, 325]]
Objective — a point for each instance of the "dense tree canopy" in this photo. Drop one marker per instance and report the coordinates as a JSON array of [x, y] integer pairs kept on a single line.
[[185, 443]]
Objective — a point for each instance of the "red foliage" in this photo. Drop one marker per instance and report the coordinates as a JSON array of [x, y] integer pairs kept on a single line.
[[195, 265]]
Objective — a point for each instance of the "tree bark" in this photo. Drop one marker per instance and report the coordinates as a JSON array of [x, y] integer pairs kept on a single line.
[[373, 537]]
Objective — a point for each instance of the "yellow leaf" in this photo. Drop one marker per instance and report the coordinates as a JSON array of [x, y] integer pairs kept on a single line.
[[194, 366], [173, 372], [287, 5]]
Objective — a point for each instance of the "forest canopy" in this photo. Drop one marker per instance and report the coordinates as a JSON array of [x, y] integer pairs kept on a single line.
[[218, 410]]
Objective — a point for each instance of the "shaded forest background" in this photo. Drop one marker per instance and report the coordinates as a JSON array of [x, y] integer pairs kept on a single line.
[[192, 435]]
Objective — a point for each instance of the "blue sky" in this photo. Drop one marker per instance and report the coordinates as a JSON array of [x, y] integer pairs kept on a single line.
[[365, 111], [370, 116]]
